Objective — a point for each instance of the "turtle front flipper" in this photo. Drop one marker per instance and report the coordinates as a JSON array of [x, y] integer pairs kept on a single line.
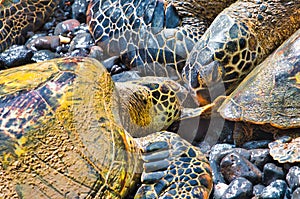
[[173, 168]]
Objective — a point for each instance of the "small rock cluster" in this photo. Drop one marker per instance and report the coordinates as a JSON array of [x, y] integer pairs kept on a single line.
[[65, 34], [252, 173]]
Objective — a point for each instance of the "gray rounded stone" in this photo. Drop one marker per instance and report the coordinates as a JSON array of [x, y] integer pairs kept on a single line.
[[240, 188], [271, 173], [276, 190], [293, 177]]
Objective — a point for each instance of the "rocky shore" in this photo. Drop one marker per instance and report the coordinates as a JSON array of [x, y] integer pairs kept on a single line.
[[239, 172]]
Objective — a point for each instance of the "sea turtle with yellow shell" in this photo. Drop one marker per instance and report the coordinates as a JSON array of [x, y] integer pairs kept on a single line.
[[61, 136]]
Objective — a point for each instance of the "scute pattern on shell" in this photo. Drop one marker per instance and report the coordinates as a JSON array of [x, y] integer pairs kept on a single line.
[[18, 18], [268, 95], [64, 105], [155, 36]]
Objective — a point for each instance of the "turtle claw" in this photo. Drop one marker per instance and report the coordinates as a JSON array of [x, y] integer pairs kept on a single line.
[[156, 166], [148, 178], [156, 156], [160, 145]]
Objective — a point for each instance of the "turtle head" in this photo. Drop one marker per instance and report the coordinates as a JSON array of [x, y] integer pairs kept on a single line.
[[149, 104], [223, 56], [205, 81]]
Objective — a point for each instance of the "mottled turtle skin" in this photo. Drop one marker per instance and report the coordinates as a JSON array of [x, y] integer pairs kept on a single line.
[[155, 36], [60, 137], [269, 95], [241, 36], [19, 17]]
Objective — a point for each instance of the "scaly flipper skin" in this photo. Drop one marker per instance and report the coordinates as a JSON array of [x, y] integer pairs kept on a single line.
[[17, 19], [60, 136], [238, 39], [185, 173], [156, 35]]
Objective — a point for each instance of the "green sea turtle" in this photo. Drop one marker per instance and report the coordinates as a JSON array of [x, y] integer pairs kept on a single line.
[[153, 36], [60, 137], [269, 98], [240, 37]]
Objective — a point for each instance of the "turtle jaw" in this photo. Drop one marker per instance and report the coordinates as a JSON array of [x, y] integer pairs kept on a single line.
[[205, 81]]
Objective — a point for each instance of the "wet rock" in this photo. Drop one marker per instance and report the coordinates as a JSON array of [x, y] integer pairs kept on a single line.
[[96, 52], [234, 165], [260, 157], [125, 76], [288, 193], [239, 188], [271, 172], [110, 62], [242, 152], [204, 147], [276, 189], [15, 56], [83, 28], [256, 144], [67, 26], [117, 68], [296, 194], [293, 177], [218, 148], [80, 41], [63, 49], [258, 189], [219, 190], [43, 55], [44, 43], [47, 26], [79, 52], [79, 10], [218, 151]]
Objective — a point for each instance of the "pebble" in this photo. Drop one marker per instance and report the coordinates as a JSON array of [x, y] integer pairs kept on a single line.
[[204, 147], [260, 157], [234, 165], [96, 52], [276, 190], [240, 188], [258, 189], [219, 190], [44, 43], [79, 10], [80, 41], [43, 55], [293, 178], [15, 56], [66, 27], [79, 52], [296, 194], [218, 151], [256, 144], [271, 172]]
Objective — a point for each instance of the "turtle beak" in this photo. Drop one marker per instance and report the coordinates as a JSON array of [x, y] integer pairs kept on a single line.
[[202, 100]]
